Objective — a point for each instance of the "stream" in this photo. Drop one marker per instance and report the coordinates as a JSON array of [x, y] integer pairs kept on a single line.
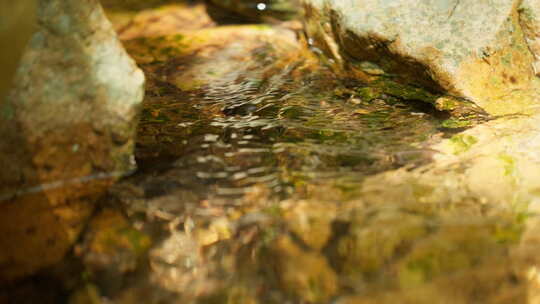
[[251, 154]]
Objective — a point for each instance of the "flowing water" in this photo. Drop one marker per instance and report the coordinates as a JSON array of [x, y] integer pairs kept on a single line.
[[251, 156], [281, 133]]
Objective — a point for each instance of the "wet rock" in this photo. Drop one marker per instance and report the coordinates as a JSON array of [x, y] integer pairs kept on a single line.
[[470, 49], [111, 248], [162, 20], [68, 128], [175, 261], [372, 241], [311, 222], [245, 11], [492, 169], [303, 274]]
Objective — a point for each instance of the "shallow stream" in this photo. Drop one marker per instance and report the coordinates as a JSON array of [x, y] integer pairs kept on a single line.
[[251, 154]]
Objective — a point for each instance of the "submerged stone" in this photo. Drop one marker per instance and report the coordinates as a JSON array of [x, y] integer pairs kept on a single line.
[[302, 274], [477, 50], [111, 247], [67, 129]]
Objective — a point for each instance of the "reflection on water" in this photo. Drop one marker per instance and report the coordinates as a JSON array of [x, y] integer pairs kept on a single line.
[[280, 132]]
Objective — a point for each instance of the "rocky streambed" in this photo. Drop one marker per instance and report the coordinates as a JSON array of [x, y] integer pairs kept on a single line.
[[272, 168]]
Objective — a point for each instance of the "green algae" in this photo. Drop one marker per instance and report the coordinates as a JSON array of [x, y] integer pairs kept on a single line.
[[456, 123], [7, 111], [464, 111], [372, 243], [369, 93], [509, 164], [466, 247], [462, 143], [406, 92], [304, 275]]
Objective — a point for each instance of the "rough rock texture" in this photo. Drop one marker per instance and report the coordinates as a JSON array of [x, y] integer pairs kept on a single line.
[[67, 130], [529, 11], [468, 48], [495, 165]]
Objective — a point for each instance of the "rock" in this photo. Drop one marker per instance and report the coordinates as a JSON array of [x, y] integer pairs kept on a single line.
[[245, 11], [161, 20], [16, 26], [478, 50], [175, 262], [111, 248], [311, 222], [302, 274], [67, 128], [494, 169], [529, 11], [372, 241]]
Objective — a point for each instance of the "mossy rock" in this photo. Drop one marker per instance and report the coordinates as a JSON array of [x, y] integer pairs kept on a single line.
[[473, 50]]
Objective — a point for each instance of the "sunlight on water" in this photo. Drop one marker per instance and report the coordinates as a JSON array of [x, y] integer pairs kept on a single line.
[[281, 131]]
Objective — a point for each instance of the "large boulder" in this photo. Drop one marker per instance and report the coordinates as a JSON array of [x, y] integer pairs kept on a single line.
[[483, 51], [67, 132]]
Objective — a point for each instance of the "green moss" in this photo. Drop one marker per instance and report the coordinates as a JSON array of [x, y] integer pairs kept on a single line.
[[508, 232], [462, 142], [446, 103], [405, 91], [447, 252], [262, 27], [178, 37], [302, 274], [509, 164], [274, 211], [291, 112], [370, 244], [453, 123], [138, 241], [168, 51], [369, 93], [8, 112]]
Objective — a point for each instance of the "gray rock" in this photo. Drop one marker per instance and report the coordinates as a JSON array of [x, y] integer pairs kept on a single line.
[[68, 131], [529, 13], [468, 48]]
